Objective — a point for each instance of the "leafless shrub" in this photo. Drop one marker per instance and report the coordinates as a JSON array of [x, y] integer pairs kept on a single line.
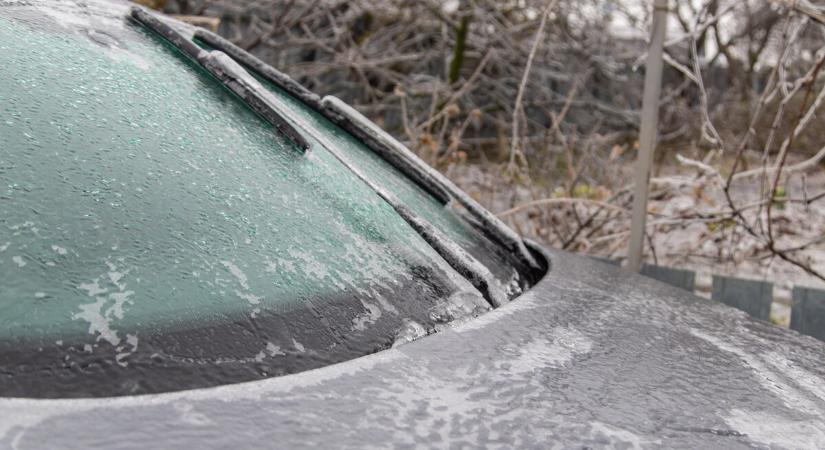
[[550, 90]]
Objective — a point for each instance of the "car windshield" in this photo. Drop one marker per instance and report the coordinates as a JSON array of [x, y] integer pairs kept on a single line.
[[156, 234]]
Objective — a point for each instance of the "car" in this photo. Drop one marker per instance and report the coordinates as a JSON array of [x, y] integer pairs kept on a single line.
[[195, 250]]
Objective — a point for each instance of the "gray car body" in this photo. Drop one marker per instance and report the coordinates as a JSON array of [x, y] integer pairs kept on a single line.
[[591, 356]]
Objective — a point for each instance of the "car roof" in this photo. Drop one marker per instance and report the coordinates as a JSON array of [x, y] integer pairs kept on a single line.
[[590, 356]]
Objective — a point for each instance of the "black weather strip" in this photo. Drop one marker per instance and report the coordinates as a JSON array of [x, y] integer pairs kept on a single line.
[[227, 71], [380, 142], [309, 98]]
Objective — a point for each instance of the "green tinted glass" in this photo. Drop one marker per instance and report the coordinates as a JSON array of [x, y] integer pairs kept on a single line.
[[137, 193], [503, 264], [155, 234]]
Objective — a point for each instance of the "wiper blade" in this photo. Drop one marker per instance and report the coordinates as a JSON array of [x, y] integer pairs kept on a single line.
[[459, 259], [379, 142], [227, 71], [261, 68], [309, 98], [492, 224], [233, 76], [462, 262]]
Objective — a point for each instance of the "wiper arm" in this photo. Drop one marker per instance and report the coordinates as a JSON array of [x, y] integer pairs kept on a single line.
[[261, 68], [235, 77], [459, 259], [380, 142], [309, 98], [388, 144], [227, 71]]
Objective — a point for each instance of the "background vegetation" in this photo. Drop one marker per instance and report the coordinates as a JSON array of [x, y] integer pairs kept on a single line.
[[532, 106]]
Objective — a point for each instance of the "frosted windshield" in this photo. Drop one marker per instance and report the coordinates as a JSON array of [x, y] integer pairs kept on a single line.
[[149, 220]]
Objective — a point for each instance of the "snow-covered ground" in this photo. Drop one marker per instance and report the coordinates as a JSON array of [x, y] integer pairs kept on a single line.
[[707, 248]]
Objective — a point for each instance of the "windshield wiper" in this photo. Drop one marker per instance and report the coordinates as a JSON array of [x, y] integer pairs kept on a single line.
[[459, 259], [235, 77], [380, 142], [490, 223], [309, 98], [227, 71]]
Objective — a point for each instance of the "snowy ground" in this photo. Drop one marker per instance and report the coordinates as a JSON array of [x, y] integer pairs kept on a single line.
[[699, 246]]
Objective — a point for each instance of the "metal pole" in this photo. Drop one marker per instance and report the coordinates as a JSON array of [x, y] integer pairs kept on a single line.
[[647, 133]]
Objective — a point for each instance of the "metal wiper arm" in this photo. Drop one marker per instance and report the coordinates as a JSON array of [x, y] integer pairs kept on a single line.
[[459, 259], [380, 142], [227, 71], [261, 68], [233, 76], [490, 223], [309, 98]]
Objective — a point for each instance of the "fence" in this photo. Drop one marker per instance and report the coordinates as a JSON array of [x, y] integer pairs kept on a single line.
[[752, 296]]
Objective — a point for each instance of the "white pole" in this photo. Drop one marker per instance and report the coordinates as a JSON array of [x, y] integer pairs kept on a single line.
[[647, 133]]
